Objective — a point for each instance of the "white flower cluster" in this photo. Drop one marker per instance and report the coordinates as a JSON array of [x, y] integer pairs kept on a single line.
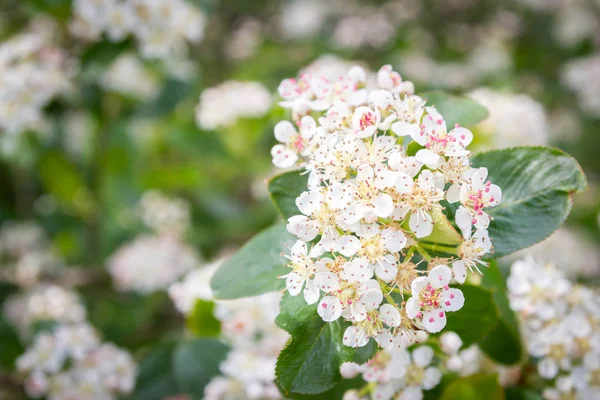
[[223, 105], [25, 253], [514, 120], [128, 75], [32, 73], [163, 214], [560, 321], [72, 363], [397, 373], [194, 286], [248, 325], [369, 203], [43, 303], [248, 372], [582, 75], [151, 263], [161, 28]]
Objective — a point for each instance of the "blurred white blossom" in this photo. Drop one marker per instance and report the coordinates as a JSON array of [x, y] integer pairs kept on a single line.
[[163, 214], [42, 303], [72, 363], [582, 76], [33, 71], [128, 75], [151, 263], [223, 105], [25, 253], [161, 28], [514, 120]]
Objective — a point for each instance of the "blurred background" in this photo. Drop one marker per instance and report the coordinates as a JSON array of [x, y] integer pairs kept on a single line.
[[135, 135]]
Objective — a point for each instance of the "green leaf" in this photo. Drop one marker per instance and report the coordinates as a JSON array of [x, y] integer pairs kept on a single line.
[[254, 269], [11, 346], [443, 231], [456, 109], [336, 393], [65, 182], [536, 183], [475, 387], [514, 393], [196, 362], [285, 188], [310, 363], [155, 379], [503, 343], [201, 321], [476, 319]]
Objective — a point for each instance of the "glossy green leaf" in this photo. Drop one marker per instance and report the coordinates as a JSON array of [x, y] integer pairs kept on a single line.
[[196, 362], [536, 183], [310, 363], [155, 380], [201, 321], [285, 188], [503, 344], [475, 387], [456, 109], [477, 318], [254, 269]]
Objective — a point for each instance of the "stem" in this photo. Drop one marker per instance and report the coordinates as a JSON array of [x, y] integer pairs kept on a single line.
[[423, 252], [440, 247], [386, 292]]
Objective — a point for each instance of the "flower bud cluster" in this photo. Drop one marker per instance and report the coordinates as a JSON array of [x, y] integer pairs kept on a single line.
[[560, 323], [72, 363], [369, 204]]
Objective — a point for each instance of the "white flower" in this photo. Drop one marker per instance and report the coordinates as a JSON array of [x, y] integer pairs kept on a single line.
[[432, 298], [365, 121], [475, 195], [419, 198], [294, 143], [304, 270]]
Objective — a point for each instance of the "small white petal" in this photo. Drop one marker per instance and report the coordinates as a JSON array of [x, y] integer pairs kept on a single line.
[[329, 308], [452, 299], [390, 315], [459, 270], [434, 321], [422, 356], [439, 276]]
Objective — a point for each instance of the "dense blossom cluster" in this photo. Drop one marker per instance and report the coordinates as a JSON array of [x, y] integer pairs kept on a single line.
[[368, 203], [514, 120], [128, 75], [163, 214], [25, 253], [72, 363], [32, 72], [161, 28], [248, 325], [223, 105], [248, 372], [560, 323], [42, 303], [398, 373], [151, 263]]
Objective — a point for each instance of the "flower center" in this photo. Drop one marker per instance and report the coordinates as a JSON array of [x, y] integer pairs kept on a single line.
[[414, 375], [372, 248]]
